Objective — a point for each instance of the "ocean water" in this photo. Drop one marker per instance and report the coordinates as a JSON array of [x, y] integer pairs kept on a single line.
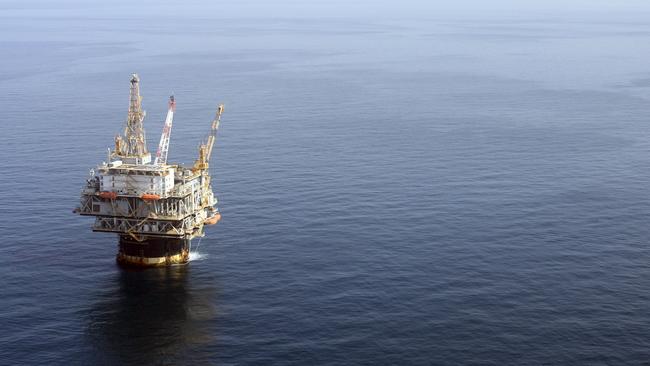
[[394, 192]]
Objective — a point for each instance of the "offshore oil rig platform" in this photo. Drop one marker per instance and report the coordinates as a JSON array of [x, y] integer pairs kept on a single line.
[[155, 207]]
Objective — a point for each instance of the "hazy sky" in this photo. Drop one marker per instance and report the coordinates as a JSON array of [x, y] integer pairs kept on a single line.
[[323, 8]]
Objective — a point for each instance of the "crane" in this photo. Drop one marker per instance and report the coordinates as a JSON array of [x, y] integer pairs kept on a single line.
[[205, 150], [163, 146]]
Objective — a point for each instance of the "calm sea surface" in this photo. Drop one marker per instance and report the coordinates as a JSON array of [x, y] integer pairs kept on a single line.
[[433, 191]]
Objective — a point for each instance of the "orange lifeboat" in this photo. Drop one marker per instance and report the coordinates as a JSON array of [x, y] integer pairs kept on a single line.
[[213, 219], [150, 197], [108, 195]]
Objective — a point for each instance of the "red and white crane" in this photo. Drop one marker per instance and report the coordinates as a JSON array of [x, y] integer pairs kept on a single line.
[[163, 146]]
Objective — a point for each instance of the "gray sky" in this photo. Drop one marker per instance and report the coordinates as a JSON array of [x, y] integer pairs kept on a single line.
[[324, 8]]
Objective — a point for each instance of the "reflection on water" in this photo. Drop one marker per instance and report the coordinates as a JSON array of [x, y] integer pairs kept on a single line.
[[153, 316]]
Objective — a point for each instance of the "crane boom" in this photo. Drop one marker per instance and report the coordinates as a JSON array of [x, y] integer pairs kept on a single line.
[[213, 131], [163, 146], [205, 150]]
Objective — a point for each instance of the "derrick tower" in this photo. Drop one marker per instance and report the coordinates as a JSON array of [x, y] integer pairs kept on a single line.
[[132, 148]]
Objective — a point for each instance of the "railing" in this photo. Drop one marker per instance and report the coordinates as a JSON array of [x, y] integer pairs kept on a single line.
[[143, 227]]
